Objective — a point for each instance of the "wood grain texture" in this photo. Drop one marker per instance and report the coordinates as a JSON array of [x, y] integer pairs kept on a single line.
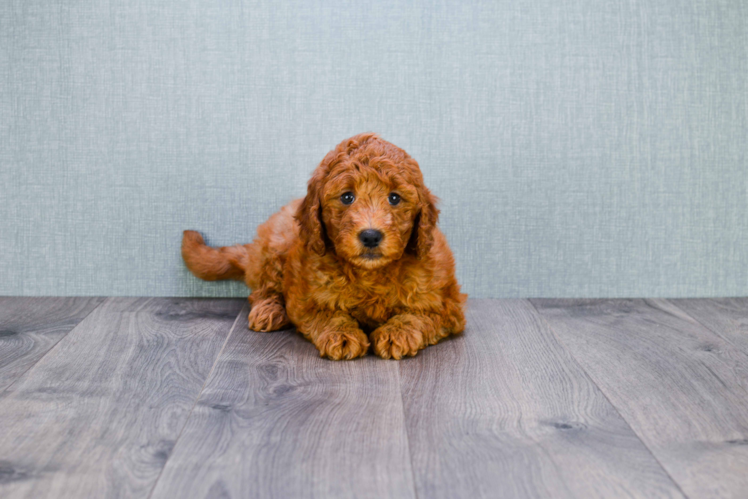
[[680, 386], [727, 317], [31, 326], [99, 415], [505, 411], [276, 420]]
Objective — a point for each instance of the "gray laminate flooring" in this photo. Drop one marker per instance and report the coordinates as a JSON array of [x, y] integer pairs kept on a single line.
[[166, 397]]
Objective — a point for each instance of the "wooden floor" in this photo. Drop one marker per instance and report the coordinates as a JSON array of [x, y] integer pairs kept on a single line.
[[160, 397]]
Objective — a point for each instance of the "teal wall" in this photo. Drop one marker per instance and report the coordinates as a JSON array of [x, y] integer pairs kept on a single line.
[[580, 148]]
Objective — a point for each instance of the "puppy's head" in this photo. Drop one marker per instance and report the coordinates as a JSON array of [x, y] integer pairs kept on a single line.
[[366, 202]]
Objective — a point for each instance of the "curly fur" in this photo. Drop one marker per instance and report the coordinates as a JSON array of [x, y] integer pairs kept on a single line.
[[308, 267]]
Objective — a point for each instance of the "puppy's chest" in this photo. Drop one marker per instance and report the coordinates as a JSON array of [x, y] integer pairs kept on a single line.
[[370, 305], [372, 300]]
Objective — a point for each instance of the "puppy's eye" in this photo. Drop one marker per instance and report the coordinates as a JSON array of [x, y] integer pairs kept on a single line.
[[347, 198], [394, 198]]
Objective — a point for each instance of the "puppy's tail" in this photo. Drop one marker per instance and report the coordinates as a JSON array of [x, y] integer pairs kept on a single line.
[[212, 264]]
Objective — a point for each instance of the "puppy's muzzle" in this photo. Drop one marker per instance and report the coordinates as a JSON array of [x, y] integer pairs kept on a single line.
[[370, 238]]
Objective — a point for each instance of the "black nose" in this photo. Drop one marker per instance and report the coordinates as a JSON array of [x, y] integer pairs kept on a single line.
[[370, 238]]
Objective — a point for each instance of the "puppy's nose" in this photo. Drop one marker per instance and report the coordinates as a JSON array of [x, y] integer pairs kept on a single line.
[[370, 238]]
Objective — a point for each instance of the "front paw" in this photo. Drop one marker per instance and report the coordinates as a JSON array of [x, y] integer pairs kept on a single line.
[[267, 316], [396, 341], [347, 343]]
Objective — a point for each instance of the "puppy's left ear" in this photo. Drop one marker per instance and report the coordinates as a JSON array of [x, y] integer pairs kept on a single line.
[[309, 216], [426, 220]]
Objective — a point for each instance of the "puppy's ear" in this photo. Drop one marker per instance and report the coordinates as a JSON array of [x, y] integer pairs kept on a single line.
[[309, 216], [424, 223]]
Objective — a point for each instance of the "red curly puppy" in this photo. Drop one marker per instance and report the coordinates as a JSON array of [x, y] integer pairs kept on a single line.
[[361, 253]]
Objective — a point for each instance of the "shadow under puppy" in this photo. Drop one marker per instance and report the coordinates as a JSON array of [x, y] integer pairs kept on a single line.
[[360, 253]]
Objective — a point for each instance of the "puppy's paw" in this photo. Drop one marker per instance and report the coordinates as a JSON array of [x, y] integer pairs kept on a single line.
[[396, 341], [267, 316], [349, 343]]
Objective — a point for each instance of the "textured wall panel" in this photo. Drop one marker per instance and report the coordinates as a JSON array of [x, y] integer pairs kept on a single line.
[[580, 148]]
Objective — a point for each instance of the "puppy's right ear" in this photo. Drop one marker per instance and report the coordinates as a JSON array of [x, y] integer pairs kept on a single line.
[[309, 215]]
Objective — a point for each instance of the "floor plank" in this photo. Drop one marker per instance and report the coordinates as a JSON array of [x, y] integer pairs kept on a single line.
[[505, 411], [679, 385], [99, 415], [31, 326], [727, 317], [276, 420]]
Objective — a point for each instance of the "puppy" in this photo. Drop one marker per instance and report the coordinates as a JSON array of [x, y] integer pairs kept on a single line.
[[360, 253]]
